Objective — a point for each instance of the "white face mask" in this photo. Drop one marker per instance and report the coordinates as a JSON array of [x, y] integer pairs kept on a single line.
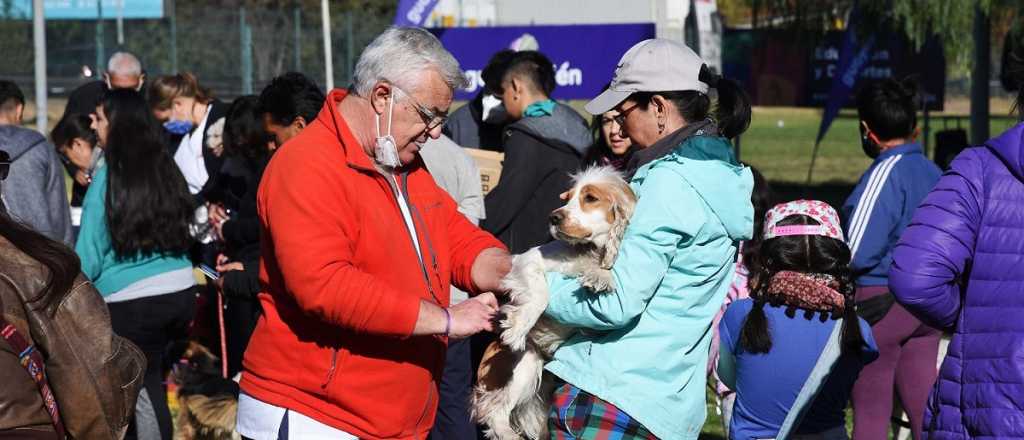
[[493, 109], [386, 151]]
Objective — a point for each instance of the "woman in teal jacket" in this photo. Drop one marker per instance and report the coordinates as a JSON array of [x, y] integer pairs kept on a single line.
[[637, 366], [134, 242]]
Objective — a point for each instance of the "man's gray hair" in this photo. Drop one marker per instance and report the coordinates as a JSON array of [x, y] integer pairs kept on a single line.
[[399, 55], [124, 64]]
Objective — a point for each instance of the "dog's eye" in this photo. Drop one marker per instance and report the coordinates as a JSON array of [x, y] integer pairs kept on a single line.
[[589, 198]]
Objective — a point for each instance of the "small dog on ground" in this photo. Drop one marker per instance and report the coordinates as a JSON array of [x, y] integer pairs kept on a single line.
[[512, 394], [207, 402]]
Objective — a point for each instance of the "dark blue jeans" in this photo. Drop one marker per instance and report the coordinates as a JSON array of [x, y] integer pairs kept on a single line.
[[452, 421]]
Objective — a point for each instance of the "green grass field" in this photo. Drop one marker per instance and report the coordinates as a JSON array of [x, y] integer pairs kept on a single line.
[[780, 142]]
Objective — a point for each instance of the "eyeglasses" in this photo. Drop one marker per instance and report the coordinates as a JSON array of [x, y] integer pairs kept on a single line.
[[621, 117], [5, 164], [431, 119]]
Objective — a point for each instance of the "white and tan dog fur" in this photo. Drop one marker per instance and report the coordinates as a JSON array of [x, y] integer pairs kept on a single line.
[[512, 393]]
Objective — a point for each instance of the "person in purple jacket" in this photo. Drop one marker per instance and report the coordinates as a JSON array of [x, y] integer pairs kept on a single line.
[[875, 215], [960, 265]]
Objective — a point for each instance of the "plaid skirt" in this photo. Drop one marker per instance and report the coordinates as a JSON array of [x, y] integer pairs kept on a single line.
[[577, 414]]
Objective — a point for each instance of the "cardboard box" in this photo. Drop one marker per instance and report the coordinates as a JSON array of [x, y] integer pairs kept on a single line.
[[489, 163]]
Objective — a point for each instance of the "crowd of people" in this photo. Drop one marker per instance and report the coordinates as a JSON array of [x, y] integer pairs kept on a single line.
[[352, 266]]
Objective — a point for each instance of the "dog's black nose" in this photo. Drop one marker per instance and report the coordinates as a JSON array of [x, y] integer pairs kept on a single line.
[[556, 217]]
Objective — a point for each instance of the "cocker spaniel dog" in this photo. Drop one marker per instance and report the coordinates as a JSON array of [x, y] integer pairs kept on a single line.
[[512, 393]]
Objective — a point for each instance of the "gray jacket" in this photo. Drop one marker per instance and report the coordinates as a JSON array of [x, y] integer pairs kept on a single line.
[[466, 127], [35, 192], [457, 174]]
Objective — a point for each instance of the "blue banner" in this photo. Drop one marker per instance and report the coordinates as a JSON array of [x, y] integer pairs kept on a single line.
[[87, 9], [853, 57], [584, 56], [414, 12]]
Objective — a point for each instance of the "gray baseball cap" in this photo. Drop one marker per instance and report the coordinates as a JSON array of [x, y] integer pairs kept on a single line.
[[655, 65]]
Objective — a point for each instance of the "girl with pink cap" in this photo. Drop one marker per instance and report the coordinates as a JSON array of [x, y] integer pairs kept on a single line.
[[793, 350]]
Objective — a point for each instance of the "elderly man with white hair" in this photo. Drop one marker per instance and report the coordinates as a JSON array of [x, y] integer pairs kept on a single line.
[[124, 71], [360, 247]]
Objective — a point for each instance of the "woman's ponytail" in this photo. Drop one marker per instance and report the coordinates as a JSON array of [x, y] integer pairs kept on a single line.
[[733, 109], [853, 340], [755, 336]]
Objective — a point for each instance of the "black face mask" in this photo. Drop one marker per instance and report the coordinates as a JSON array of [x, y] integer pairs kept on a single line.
[[870, 148]]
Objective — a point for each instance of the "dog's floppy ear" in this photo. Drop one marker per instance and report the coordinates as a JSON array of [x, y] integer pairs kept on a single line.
[[622, 208]]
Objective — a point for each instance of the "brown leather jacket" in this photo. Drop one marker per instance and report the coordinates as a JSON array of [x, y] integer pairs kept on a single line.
[[95, 375]]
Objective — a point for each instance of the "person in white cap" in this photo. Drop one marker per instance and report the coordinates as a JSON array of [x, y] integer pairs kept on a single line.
[[639, 370]]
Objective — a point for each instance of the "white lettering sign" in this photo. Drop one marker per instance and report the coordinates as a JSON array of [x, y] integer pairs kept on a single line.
[[415, 14], [565, 75]]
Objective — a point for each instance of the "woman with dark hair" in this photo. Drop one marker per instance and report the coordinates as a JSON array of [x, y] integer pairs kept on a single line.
[[74, 138], [799, 327], [48, 314], [247, 148], [610, 146], [875, 215], [641, 371], [76, 142], [135, 239]]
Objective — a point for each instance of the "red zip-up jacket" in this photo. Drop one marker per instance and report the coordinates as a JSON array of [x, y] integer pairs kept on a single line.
[[342, 285]]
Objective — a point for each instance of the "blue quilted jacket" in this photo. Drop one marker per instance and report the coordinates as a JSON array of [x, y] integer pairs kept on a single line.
[[960, 265]]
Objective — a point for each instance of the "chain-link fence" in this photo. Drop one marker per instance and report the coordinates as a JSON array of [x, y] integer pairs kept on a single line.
[[208, 38]]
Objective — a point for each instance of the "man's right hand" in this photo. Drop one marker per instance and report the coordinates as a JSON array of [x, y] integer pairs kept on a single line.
[[473, 316]]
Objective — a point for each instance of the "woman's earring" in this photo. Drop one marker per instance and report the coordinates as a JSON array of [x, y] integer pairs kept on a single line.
[[661, 127]]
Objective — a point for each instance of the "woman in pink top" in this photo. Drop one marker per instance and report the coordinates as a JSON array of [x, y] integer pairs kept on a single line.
[[762, 198]]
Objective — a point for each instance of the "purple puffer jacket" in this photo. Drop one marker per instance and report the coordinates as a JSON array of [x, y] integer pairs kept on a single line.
[[971, 227]]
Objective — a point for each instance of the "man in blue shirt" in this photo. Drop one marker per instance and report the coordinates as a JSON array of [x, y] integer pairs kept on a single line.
[[875, 214]]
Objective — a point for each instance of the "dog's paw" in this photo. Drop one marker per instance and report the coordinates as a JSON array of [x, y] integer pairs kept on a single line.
[[514, 331], [598, 281]]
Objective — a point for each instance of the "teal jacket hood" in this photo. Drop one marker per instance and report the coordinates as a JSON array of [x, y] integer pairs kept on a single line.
[[710, 166]]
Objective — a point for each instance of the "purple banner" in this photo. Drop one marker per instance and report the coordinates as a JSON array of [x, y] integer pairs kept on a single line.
[[413, 12], [584, 56]]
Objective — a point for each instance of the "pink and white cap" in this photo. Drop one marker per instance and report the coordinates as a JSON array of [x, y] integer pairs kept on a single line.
[[822, 212]]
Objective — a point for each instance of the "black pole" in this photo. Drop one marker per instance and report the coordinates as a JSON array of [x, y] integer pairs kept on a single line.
[[926, 132], [100, 51], [174, 37], [298, 38], [980, 76]]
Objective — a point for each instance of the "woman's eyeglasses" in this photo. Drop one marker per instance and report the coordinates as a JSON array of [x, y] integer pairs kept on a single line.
[[621, 117]]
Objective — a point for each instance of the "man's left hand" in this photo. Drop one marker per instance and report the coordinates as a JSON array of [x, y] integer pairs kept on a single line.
[[489, 268]]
